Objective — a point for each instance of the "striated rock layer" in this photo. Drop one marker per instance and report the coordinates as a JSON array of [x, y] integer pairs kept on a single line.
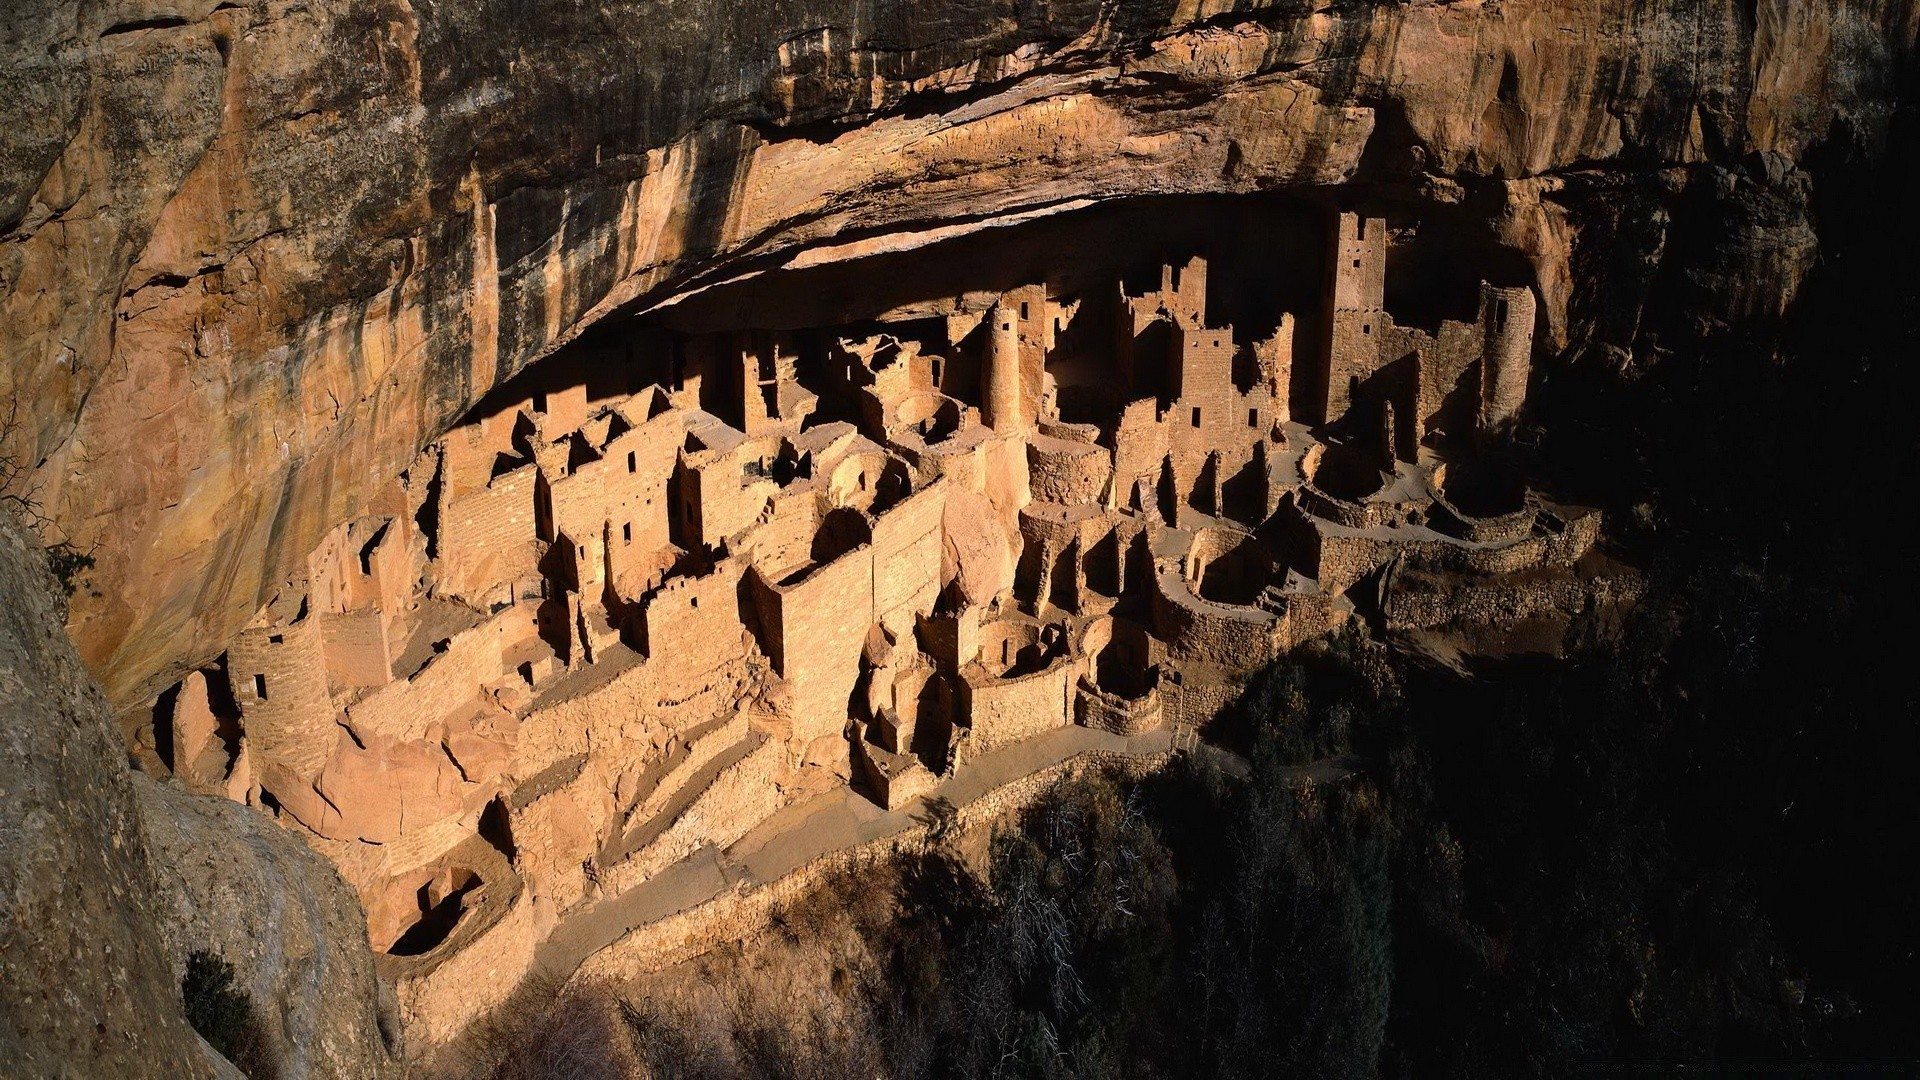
[[253, 256]]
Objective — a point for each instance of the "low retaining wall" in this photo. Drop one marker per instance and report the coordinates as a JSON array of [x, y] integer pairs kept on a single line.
[[745, 910]]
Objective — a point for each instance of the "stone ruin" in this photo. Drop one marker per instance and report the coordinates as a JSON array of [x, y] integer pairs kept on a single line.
[[608, 622]]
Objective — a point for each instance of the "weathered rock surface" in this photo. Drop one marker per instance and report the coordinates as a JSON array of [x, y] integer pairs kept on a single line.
[[108, 881], [85, 986], [254, 255], [235, 884]]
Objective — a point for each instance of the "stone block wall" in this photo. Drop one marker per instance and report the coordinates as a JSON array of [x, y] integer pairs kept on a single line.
[[1067, 472], [784, 539], [451, 679], [1095, 708], [1507, 321], [814, 630], [723, 497], [487, 537], [1001, 712], [1199, 630], [1139, 444], [1448, 368], [908, 543], [694, 625], [468, 453], [740, 797], [356, 648], [280, 682]]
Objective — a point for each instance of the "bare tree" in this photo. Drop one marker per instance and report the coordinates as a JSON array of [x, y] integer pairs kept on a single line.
[[20, 493]]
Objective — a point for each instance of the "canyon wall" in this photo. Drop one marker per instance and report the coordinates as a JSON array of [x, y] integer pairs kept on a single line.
[[254, 254]]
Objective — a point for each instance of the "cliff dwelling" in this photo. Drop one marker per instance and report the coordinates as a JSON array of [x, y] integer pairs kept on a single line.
[[906, 538], [863, 528]]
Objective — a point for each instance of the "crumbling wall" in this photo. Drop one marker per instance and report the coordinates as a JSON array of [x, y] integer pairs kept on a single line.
[[1067, 472], [740, 797], [694, 626], [452, 678], [1096, 708], [722, 496], [784, 540], [556, 832]]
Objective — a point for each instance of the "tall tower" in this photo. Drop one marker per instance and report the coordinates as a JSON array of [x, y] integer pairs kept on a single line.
[[1356, 308], [1506, 357], [1004, 397]]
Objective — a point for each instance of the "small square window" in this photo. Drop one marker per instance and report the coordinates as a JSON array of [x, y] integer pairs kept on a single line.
[[693, 602], [626, 532], [1356, 264], [260, 687], [277, 639], [1196, 416], [1253, 417], [1366, 328]]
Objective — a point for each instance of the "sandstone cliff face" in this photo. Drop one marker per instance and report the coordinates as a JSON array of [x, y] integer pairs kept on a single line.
[[108, 881], [254, 255]]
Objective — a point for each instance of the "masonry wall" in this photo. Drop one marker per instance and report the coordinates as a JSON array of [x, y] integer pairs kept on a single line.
[[488, 537], [1067, 472], [291, 726], [468, 453], [693, 626], [855, 479], [1420, 601], [1355, 307], [1448, 371], [728, 498], [741, 911], [1139, 445], [1005, 711], [455, 676], [355, 647], [1196, 629], [1122, 716], [908, 544], [1507, 315], [1205, 373], [784, 542], [815, 630], [555, 833], [742, 796]]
